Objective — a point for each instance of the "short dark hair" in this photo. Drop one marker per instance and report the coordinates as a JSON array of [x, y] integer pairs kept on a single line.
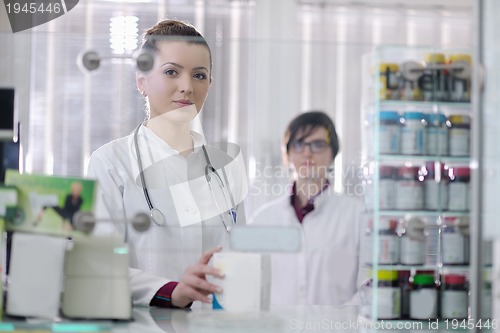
[[171, 29], [305, 124]]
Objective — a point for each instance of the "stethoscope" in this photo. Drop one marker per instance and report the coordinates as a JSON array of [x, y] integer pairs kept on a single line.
[[210, 173]]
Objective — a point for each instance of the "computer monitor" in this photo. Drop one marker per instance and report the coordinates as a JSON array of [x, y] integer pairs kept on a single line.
[[9, 150], [6, 109], [9, 153]]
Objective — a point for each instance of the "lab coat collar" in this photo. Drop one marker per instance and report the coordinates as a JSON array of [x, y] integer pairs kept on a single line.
[[325, 195], [153, 149], [319, 198]]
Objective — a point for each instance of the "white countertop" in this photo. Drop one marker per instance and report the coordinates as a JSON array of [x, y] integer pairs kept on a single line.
[[279, 319]]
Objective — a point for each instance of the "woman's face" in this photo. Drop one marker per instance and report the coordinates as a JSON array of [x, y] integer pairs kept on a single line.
[[180, 77], [311, 156], [76, 189]]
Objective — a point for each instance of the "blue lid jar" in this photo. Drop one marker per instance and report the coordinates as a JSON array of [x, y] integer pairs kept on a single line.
[[390, 132], [413, 133], [436, 119], [413, 115], [389, 116]]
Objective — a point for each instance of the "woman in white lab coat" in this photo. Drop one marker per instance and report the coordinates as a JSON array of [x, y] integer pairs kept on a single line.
[[326, 271], [162, 168]]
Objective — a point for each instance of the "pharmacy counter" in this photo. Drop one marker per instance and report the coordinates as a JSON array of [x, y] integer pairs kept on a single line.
[[279, 319]]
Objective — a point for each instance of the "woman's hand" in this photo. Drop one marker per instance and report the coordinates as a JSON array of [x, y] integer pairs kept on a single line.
[[193, 285]]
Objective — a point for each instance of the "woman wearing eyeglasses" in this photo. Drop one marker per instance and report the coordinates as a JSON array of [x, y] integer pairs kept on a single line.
[[326, 270]]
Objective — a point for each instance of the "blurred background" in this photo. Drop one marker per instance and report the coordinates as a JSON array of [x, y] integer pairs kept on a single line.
[[272, 60]]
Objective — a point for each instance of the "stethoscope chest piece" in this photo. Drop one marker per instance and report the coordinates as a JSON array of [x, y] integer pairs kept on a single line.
[[157, 217]]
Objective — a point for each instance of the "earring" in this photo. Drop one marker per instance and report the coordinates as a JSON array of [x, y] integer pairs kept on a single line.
[[143, 93]]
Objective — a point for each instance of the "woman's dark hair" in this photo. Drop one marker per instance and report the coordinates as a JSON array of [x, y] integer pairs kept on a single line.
[[305, 124], [176, 30]]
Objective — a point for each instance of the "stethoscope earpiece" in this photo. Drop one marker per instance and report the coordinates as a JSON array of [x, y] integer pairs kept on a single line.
[[84, 221], [89, 61], [145, 60], [141, 222]]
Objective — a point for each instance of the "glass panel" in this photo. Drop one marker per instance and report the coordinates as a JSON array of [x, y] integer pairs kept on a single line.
[[417, 166]]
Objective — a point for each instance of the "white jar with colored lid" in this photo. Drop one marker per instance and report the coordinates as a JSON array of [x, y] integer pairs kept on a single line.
[[454, 299], [453, 243], [437, 135], [459, 135], [413, 133], [387, 187], [435, 187], [388, 295], [390, 132], [409, 189], [388, 241], [424, 297], [459, 189]]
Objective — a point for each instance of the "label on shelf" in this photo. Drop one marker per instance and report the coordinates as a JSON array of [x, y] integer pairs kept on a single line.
[[432, 249]]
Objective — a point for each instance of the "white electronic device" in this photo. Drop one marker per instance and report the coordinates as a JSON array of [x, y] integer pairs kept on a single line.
[[266, 239], [35, 275], [96, 282]]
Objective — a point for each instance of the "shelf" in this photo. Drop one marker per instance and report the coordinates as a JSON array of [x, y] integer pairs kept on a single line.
[[422, 213], [398, 159], [444, 268], [426, 105], [389, 74]]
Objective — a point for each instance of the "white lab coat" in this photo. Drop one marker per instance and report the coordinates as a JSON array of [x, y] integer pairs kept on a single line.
[[193, 224], [327, 270]]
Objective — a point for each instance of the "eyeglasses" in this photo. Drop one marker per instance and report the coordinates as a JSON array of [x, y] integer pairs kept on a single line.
[[316, 146]]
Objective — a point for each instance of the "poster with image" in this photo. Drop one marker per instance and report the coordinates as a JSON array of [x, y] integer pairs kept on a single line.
[[47, 204]]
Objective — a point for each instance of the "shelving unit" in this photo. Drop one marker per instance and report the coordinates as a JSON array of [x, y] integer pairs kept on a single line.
[[387, 223]]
